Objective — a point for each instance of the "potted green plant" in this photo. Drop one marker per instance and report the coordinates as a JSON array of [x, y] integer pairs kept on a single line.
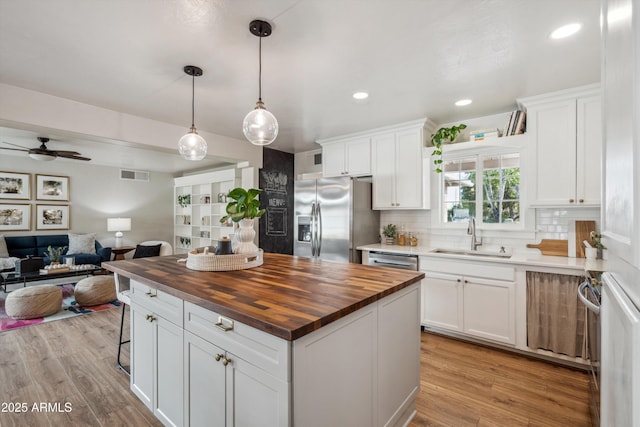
[[184, 200], [597, 243], [444, 135], [243, 208], [389, 231], [54, 254]]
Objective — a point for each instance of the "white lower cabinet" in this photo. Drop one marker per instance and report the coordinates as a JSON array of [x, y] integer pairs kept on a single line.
[[156, 352], [193, 367], [234, 375], [470, 299]]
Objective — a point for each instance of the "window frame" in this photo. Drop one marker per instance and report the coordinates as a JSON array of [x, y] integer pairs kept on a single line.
[[479, 156]]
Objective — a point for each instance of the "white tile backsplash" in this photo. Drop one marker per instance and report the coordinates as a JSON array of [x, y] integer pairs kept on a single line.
[[551, 223]]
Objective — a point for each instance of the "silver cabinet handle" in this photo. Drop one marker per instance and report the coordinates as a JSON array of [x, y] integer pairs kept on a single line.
[[221, 324]]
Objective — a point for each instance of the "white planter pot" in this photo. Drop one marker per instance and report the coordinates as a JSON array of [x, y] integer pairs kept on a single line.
[[244, 238]]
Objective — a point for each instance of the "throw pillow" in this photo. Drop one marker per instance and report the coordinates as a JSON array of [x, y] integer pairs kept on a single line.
[[82, 244], [147, 251], [4, 252]]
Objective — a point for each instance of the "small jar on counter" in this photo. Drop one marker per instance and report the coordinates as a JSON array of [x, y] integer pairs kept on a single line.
[[413, 239], [401, 238]]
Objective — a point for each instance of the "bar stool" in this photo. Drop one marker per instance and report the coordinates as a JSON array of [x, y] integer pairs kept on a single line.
[[124, 296], [123, 292]]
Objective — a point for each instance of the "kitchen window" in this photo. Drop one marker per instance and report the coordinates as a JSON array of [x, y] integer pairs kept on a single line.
[[486, 187]]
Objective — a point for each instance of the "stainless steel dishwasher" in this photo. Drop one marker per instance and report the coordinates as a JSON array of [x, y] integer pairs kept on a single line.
[[392, 260]]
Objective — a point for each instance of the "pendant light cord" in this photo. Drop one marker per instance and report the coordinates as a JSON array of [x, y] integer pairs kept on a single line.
[[193, 95], [260, 69]]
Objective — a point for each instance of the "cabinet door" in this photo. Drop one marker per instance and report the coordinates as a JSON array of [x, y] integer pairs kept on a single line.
[[142, 355], [384, 171], [168, 372], [589, 151], [442, 301], [358, 157], [254, 398], [204, 383], [408, 182], [333, 160], [554, 127], [489, 309]]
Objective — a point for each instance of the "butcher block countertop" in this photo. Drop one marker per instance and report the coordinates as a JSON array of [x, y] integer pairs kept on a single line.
[[287, 296]]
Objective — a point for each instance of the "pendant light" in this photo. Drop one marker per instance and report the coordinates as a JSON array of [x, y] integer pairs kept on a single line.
[[260, 127], [192, 146]]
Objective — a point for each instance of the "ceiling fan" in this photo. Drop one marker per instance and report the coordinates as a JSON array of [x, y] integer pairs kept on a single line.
[[42, 153]]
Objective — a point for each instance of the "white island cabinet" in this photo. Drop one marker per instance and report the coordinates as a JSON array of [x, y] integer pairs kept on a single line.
[[156, 352], [193, 366]]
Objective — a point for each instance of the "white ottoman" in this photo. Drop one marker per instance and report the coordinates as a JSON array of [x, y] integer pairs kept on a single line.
[[33, 302], [95, 290]]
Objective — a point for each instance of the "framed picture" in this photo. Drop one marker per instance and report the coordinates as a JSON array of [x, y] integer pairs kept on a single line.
[[15, 185], [15, 217], [52, 217], [50, 187]]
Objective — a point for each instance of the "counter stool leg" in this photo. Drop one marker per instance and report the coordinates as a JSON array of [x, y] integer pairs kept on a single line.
[[120, 342]]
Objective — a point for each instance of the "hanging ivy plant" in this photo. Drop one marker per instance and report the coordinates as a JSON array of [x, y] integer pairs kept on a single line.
[[443, 135]]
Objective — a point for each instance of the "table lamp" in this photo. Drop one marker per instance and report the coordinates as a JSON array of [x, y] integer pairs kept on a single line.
[[118, 225]]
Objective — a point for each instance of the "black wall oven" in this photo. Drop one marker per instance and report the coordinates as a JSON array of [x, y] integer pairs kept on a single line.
[[589, 295]]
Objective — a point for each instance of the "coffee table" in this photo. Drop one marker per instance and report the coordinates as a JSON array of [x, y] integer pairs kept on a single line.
[[12, 278]]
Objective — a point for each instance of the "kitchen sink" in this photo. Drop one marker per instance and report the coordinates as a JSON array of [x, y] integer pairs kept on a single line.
[[479, 253]]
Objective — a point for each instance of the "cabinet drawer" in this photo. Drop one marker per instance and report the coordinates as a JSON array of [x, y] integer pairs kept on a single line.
[[161, 303], [263, 350]]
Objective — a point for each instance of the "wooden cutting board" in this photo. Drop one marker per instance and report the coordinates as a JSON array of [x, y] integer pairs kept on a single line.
[[583, 232], [552, 247]]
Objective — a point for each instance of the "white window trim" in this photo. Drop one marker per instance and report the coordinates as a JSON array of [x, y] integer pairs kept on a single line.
[[527, 215]]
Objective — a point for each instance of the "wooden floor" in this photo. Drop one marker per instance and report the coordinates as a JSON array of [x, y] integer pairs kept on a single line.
[[68, 365], [464, 384]]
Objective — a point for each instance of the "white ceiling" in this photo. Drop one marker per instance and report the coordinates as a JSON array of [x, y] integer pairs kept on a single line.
[[414, 57]]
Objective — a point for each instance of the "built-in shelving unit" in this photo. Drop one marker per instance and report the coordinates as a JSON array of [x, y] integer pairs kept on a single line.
[[197, 218]]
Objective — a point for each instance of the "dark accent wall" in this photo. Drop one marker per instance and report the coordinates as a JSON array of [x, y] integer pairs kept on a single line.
[[276, 181]]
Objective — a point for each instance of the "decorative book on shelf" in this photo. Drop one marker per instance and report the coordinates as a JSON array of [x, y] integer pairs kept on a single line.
[[517, 123]]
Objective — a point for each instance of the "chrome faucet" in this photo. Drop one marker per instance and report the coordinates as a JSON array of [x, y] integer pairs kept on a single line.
[[471, 230]]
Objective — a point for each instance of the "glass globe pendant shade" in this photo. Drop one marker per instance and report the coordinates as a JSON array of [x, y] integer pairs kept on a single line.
[[192, 146], [260, 127]]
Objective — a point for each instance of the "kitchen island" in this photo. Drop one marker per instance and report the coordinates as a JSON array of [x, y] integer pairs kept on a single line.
[[295, 341]]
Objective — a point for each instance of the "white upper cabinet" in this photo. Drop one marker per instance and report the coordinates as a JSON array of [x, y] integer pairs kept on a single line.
[[566, 128], [348, 157], [400, 180]]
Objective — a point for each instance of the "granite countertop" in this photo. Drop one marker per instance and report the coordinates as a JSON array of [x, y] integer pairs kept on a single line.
[[287, 296], [524, 258]]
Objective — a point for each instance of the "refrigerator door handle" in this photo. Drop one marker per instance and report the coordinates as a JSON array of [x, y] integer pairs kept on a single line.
[[319, 222], [313, 229]]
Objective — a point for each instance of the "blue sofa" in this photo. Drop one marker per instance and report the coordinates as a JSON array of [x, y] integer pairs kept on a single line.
[[23, 246]]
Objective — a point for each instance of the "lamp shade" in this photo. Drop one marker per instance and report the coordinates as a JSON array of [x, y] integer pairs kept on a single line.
[[192, 146], [119, 224], [260, 127]]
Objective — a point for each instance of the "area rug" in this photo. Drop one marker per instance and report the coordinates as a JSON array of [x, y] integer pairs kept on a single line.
[[69, 308]]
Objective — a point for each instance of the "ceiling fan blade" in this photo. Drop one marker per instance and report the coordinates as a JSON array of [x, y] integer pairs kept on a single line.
[[72, 156], [14, 149], [65, 153], [43, 152], [15, 145]]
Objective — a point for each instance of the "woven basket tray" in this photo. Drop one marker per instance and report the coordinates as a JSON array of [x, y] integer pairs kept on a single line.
[[197, 260]]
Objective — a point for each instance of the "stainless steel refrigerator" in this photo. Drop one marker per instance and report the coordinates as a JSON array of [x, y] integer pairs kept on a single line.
[[332, 217]]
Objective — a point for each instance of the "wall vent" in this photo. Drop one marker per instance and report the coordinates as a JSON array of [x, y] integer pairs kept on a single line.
[[317, 159], [131, 175]]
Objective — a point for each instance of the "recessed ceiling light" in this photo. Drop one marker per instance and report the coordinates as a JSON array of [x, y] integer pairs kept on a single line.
[[566, 31], [360, 95], [463, 102]]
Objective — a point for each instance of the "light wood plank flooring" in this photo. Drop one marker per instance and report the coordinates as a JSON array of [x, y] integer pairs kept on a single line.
[[464, 384], [72, 361]]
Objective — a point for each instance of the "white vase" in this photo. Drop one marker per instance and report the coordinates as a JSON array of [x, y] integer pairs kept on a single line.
[[244, 238]]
